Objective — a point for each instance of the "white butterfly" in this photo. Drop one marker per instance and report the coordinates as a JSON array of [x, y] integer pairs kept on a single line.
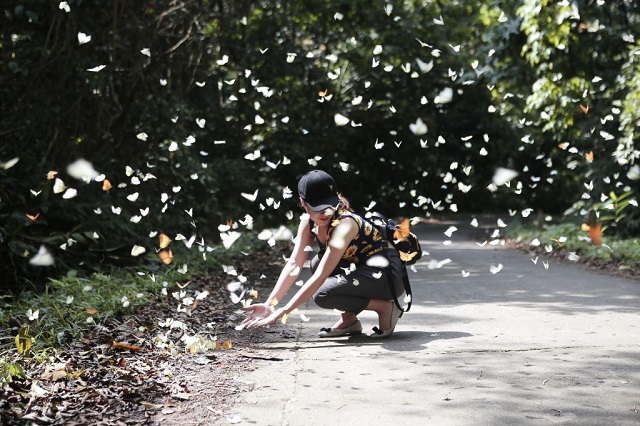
[[252, 156], [495, 269], [42, 258], [340, 119], [503, 175], [418, 128], [97, 69], [70, 193], [83, 38], [59, 186], [137, 250], [228, 238], [445, 96], [425, 67]]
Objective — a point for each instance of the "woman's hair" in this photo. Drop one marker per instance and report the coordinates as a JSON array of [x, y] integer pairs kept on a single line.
[[344, 202]]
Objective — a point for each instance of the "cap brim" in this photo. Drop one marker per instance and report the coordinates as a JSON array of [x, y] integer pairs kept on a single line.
[[318, 206]]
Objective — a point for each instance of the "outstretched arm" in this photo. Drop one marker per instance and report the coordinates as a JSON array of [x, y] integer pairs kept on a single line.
[[288, 275], [342, 235]]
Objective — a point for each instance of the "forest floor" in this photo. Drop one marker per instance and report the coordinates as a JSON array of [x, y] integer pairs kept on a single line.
[[135, 370]]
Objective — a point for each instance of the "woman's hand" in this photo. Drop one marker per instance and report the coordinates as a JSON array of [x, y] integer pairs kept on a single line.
[[269, 318], [257, 312]]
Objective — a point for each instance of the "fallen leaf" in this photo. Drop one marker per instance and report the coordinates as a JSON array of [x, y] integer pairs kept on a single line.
[[120, 345]]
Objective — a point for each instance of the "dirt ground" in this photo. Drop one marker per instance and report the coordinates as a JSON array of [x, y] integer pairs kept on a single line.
[[143, 369]]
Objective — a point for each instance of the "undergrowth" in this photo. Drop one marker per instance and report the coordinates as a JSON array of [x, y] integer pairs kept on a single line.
[[569, 240], [71, 305]]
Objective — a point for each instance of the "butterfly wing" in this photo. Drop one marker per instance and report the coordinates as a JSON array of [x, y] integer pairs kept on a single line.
[[166, 256], [595, 233], [403, 231], [406, 257], [164, 241]]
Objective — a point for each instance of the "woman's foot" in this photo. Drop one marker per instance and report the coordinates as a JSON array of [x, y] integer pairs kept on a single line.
[[387, 317], [347, 324], [355, 328]]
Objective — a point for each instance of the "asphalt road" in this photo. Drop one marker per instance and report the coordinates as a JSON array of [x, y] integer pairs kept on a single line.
[[521, 343]]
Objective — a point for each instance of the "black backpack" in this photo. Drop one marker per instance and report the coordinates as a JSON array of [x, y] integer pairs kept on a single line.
[[408, 247]]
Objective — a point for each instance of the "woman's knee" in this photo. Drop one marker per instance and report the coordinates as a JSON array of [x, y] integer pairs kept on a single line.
[[322, 299]]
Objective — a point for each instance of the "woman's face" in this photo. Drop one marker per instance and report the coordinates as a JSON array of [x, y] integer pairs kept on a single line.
[[322, 217]]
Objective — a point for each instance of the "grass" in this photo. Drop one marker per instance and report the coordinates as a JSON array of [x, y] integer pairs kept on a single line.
[[70, 305], [569, 240]]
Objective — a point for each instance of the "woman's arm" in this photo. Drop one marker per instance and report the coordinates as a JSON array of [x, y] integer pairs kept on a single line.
[[288, 275], [293, 267], [342, 235]]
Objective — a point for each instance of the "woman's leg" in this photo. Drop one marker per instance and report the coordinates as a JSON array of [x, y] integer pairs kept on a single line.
[[363, 289]]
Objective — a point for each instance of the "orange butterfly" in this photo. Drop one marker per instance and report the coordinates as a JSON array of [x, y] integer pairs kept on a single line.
[[595, 233], [589, 156], [405, 257], [32, 217], [323, 93], [52, 174], [166, 256], [403, 232], [584, 109], [91, 311], [164, 241], [226, 345], [106, 185]]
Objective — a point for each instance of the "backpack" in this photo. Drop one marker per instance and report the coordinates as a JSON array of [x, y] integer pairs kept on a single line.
[[408, 247], [400, 237]]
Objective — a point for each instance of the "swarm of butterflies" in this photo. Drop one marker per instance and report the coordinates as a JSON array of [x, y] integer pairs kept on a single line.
[[83, 170]]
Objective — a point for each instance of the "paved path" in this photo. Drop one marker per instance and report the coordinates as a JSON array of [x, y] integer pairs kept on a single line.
[[527, 345]]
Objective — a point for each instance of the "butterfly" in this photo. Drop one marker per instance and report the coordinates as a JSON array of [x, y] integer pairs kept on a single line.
[[584, 109], [166, 256], [406, 257], [186, 284], [164, 241], [402, 232], [106, 185], [32, 218], [226, 345], [595, 233]]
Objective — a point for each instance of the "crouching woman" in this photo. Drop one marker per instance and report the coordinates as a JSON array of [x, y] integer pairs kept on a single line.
[[354, 271]]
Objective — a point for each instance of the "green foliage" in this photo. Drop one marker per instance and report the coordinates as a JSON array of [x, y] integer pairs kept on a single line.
[[200, 102], [567, 237], [72, 305], [9, 370]]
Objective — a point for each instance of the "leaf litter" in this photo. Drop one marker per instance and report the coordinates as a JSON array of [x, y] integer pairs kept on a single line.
[[145, 368]]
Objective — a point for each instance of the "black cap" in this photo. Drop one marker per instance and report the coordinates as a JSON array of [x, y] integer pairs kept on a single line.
[[318, 190]]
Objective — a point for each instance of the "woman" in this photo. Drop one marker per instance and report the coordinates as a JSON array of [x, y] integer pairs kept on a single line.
[[353, 271]]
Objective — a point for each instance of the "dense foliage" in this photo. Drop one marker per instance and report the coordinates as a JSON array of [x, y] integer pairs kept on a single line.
[[183, 106]]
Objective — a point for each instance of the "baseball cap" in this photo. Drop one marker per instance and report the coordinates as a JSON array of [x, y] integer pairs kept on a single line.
[[318, 190]]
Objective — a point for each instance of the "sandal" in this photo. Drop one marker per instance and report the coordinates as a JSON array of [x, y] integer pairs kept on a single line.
[[396, 313], [356, 328]]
